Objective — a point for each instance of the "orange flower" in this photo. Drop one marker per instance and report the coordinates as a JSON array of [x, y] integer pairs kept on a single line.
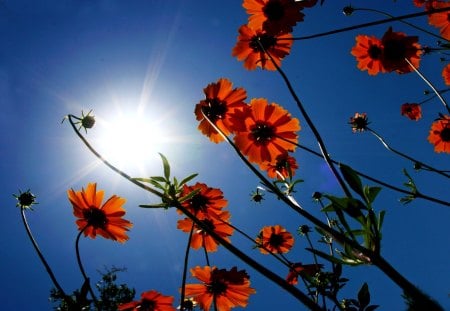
[[359, 122], [94, 218], [248, 48], [442, 19], [427, 3], [274, 239], [446, 74], [228, 289], [412, 111], [201, 238], [221, 100], [265, 128], [303, 270], [396, 47], [284, 164], [274, 16], [440, 134], [207, 202], [368, 52], [150, 301]]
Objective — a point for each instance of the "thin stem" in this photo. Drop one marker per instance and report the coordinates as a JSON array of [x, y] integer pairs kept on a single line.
[[206, 252], [378, 181], [42, 258], [388, 147], [186, 260], [401, 21], [379, 22], [80, 265], [308, 120], [429, 84]]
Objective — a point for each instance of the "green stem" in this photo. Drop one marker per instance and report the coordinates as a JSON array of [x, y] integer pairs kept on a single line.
[[185, 265], [429, 84], [42, 258], [80, 265], [388, 147], [379, 22]]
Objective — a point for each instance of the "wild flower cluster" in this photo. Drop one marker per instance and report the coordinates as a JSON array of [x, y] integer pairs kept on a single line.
[[264, 135]]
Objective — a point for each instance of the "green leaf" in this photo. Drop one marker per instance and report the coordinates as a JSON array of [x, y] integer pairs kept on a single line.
[[352, 179], [371, 308], [158, 179], [370, 193], [325, 256], [159, 205], [187, 179], [166, 166], [364, 296], [189, 195]]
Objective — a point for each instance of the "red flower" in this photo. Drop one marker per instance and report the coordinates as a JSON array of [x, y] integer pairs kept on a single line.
[[427, 3], [206, 203], [303, 270], [274, 16], [446, 74], [150, 301], [440, 134], [266, 128], [412, 111], [359, 122], [442, 19], [396, 47], [284, 165], [221, 101], [368, 52], [95, 218], [201, 238], [229, 289], [274, 239], [248, 48]]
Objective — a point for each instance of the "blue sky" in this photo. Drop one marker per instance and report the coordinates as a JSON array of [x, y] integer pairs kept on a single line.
[[148, 62]]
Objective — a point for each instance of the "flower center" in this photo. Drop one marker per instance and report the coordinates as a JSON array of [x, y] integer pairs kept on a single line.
[[262, 133], [273, 10], [374, 52], [26, 199], [215, 109], [263, 40], [209, 225], [147, 305], [275, 240], [217, 287], [445, 134], [95, 217], [199, 202]]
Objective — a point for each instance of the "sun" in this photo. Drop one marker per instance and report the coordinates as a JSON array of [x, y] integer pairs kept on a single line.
[[130, 140]]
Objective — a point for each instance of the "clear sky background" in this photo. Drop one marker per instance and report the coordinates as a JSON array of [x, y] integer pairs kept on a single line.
[[141, 66]]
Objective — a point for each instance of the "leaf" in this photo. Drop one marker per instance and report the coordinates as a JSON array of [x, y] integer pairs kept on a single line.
[[159, 205], [370, 193], [166, 166], [364, 296], [352, 179], [158, 179], [371, 308], [325, 256], [189, 178]]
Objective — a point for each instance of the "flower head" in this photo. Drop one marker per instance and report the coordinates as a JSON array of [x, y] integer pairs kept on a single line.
[[229, 289], [411, 111], [440, 134], [201, 238], [284, 166], [303, 270], [368, 52], [150, 301], [95, 218], [267, 127], [427, 3], [441, 20], [397, 47], [254, 44], [206, 203], [274, 239], [220, 101], [25, 199], [274, 16], [446, 74], [359, 122]]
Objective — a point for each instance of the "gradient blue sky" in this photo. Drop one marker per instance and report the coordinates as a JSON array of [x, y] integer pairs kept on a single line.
[[148, 61]]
